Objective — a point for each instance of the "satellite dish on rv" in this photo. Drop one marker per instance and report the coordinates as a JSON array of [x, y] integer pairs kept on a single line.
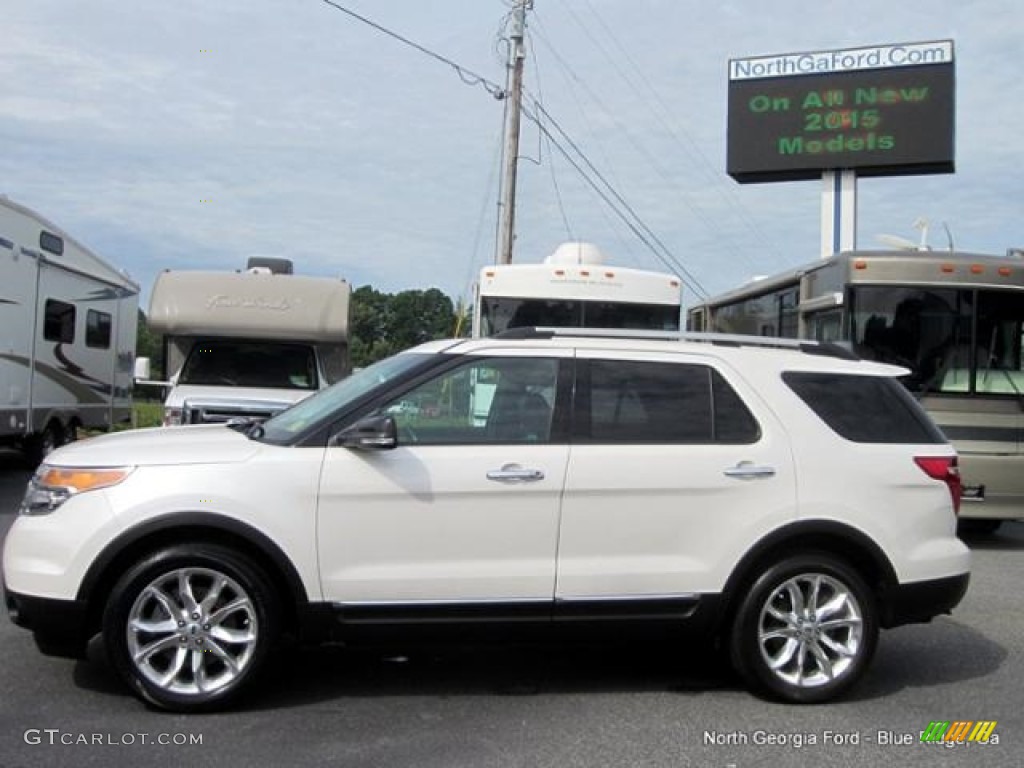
[[901, 243], [897, 242], [576, 253]]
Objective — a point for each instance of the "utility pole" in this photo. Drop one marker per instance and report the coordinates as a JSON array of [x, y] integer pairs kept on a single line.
[[514, 94]]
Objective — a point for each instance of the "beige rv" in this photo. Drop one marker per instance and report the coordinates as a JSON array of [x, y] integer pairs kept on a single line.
[[247, 344]]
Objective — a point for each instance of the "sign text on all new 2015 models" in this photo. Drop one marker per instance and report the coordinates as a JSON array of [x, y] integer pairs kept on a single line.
[[880, 111]]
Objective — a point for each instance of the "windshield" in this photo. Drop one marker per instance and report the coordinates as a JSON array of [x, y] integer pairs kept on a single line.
[[953, 340], [266, 364], [498, 314], [336, 398]]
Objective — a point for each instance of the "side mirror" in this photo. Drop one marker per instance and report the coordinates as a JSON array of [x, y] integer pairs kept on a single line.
[[142, 373], [372, 433]]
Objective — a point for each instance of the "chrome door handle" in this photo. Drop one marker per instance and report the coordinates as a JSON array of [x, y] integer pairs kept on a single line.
[[747, 470], [513, 473]]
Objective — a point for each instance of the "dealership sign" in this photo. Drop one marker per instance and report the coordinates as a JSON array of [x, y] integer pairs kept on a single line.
[[883, 110]]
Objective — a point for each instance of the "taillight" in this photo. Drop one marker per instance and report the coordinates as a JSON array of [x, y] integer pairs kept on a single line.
[[944, 468]]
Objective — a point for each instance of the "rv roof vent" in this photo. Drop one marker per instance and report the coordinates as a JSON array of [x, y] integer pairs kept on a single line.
[[274, 266]]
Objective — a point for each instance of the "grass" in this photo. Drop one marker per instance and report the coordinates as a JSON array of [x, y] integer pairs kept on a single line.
[[146, 414]]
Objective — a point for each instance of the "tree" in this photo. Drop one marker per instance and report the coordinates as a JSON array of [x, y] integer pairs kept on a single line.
[[369, 327], [420, 316], [383, 323], [149, 344]]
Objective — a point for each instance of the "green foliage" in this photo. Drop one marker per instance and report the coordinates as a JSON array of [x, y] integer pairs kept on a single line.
[[383, 323], [149, 344], [147, 414]]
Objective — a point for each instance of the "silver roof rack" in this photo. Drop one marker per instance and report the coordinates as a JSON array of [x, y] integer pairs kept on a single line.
[[829, 349]]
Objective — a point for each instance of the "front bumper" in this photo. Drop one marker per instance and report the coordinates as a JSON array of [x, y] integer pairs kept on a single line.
[[60, 627]]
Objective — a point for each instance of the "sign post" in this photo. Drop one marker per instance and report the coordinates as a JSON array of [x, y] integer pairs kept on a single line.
[[838, 212]]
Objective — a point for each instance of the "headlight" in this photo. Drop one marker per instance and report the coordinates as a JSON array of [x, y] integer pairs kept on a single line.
[[52, 486], [172, 417]]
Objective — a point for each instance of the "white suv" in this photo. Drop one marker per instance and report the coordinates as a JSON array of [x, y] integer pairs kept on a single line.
[[781, 499]]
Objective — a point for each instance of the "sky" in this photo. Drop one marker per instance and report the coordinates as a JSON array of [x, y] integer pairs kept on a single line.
[[199, 133]]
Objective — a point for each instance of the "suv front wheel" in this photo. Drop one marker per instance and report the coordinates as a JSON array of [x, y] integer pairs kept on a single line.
[[188, 627], [805, 631]]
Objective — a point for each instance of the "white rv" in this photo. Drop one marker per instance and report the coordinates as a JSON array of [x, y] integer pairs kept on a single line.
[[67, 335], [575, 288], [245, 345]]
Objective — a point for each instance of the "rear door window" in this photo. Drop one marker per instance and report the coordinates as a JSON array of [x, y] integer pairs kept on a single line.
[[632, 401]]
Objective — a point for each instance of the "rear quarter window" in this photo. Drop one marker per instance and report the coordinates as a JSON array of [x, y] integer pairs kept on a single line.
[[865, 409]]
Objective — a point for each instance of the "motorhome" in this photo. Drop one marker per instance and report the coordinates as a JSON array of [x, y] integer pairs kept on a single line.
[[247, 344], [67, 335], [954, 320]]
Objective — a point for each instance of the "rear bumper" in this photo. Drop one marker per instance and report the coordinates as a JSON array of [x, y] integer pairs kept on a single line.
[[60, 627], [921, 601]]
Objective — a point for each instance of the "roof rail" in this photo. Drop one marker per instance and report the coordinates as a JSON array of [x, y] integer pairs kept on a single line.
[[547, 332], [826, 349]]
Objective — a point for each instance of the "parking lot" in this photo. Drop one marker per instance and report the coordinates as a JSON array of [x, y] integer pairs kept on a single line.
[[523, 707]]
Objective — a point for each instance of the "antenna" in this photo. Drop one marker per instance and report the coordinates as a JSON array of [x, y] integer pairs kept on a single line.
[[949, 236]]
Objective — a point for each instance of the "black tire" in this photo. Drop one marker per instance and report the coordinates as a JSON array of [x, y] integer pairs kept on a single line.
[[783, 646], [38, 447], [189, 627]]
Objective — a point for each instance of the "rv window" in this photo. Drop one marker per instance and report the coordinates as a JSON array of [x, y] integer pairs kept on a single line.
[[51, 242], [97, 329], [59, 323]]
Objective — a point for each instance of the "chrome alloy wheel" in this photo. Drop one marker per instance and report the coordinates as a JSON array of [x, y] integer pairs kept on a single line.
[[192, 631], [810, 630]]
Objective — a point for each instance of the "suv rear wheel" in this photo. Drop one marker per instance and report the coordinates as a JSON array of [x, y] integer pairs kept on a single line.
[[805, 631], [189, 627]]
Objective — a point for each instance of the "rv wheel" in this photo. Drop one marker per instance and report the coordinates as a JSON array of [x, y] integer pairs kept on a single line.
[[38, 447]]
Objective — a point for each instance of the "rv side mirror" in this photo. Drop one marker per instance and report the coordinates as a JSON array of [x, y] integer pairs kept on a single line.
[[372, 433], [142, 368]]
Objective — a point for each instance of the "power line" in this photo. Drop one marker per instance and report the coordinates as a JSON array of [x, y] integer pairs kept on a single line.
[[725, 238], [683, 195], [613, 226], [468, 76], [633, 220], [690, 145], [551, 165], [638, 227]]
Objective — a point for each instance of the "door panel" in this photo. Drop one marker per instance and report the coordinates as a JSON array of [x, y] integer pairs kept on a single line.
[[466, 508], [426, 523], [668, 517]]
